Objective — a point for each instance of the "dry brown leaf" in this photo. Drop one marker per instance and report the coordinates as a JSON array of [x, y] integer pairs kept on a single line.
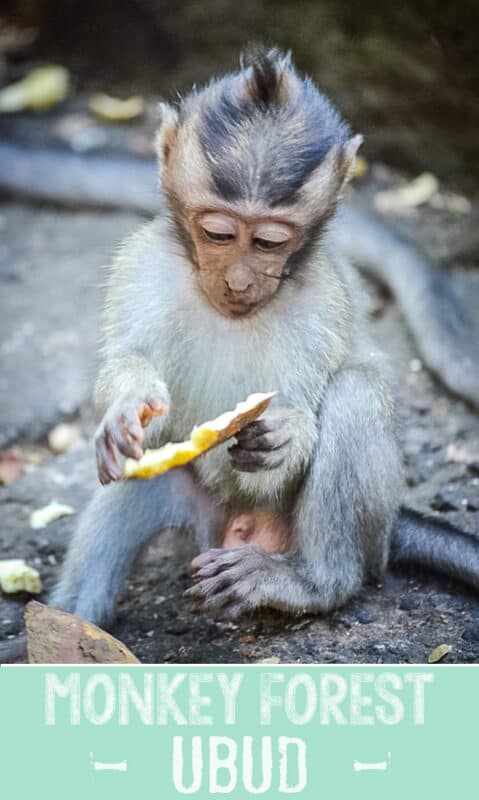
[[438, 653]]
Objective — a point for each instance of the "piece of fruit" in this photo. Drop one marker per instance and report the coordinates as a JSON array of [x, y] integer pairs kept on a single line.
[[203, 438], [17, 576], [112, 109], [39, 90]]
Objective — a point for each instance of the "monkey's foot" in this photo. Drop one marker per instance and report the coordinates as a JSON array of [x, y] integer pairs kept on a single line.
[[266, 530], [230, 582]]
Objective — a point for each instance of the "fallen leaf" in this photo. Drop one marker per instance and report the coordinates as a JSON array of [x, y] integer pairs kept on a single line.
[[203, 438], [112, 109], [55, 637], [269, 660], [42, 517], [39, 90], [17, 576], [402, 198], [438, 653]]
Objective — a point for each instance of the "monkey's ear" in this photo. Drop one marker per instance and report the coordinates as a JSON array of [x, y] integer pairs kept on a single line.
[[167, 134], [348, 160], [324, 186]]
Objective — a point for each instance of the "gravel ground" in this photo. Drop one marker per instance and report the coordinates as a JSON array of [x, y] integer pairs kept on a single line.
[[50, 274]]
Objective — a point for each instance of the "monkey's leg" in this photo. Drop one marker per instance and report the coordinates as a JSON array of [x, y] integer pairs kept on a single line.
[[118, 521], [341, 519]]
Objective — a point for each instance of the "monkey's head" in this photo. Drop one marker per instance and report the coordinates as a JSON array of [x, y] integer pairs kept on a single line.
[[252, 167]]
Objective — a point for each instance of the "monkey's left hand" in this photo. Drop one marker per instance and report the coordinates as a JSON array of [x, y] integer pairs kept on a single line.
[[264, 444]]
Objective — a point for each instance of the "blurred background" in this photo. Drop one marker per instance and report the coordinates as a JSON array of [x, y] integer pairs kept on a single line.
[[83, 78], [405, 74]]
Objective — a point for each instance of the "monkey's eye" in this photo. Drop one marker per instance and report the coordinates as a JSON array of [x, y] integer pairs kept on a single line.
[[266, 244], [219, 238]]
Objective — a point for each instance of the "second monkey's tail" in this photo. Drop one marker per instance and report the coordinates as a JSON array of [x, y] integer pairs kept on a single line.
[[435, 545]]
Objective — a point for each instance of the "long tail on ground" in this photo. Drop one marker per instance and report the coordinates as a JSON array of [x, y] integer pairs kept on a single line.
[[437, 546], [63, 177], [440, 314]]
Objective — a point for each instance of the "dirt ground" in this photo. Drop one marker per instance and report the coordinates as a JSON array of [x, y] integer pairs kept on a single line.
[[50, 282]]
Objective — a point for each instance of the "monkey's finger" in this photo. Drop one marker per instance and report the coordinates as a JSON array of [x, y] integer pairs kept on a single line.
[[207, 586], [128, 426], [256, 428], [254, 460], [230, 602], [265, 441], [108, 467], [218, 558], [127, 446]]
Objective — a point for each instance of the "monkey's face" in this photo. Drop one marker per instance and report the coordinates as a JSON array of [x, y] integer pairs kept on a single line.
[[240, 260]]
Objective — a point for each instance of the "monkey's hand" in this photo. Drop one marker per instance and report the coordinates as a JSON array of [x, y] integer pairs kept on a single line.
[[120, 433], [266, 443]]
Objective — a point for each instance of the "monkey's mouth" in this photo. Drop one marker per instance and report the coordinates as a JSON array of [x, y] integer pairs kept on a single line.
[[240, 308]]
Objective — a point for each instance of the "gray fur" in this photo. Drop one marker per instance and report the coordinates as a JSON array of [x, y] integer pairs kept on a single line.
[[325, 453]]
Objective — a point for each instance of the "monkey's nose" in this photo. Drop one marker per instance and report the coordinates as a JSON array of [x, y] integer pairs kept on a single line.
[[238, 282]]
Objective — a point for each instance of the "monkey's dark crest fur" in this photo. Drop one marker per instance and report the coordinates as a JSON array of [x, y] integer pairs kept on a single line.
[[250, 167], [265, 130]]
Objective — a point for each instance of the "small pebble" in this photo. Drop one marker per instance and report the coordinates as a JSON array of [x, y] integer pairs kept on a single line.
[[63, 438], [471, 633], [409, 603], [447, 500]]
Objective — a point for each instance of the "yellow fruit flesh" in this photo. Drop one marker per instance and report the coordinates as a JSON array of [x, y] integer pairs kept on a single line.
[[203, 438]]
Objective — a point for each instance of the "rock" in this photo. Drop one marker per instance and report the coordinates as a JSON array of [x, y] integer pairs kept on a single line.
[[409, 603], [55, 637], [365, 617], [471, 633], [63, 437]]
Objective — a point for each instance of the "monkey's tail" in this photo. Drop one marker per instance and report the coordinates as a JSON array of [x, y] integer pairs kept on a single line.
[[442, 318], [435, 545], [63, 177]]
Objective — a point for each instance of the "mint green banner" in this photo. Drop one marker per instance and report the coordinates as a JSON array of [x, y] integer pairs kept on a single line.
[[239, 732]]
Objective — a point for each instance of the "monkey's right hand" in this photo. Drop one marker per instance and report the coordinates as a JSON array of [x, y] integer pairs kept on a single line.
[[120, 433]]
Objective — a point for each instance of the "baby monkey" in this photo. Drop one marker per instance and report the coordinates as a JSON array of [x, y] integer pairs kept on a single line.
[[238, 287]]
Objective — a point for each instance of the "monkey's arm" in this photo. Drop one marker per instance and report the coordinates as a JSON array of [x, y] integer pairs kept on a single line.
[[342, 517], [445, 325]]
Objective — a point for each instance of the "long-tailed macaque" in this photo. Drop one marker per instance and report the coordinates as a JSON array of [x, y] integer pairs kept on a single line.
[[239, 286]]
